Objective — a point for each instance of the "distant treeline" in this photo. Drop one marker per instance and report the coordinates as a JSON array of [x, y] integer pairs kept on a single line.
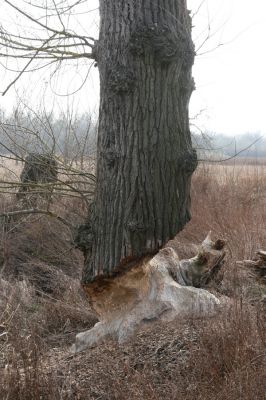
[[74, 137], [248, 145]]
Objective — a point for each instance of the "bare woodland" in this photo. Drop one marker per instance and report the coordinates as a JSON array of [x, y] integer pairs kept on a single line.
[[132, 263]]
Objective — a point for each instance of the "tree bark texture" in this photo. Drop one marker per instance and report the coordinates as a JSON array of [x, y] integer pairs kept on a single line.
[[145, 157]]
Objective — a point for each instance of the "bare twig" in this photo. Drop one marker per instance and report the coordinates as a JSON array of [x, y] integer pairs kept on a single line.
[[36, 211]]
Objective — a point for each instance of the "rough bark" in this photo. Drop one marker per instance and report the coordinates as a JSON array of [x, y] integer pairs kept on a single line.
[[145, 156]]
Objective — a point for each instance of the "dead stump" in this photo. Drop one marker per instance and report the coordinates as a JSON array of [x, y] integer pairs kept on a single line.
[[39, 173], [162, 287]]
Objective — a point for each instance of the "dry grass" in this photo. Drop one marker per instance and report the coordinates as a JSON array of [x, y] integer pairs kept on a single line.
[[42, 308]]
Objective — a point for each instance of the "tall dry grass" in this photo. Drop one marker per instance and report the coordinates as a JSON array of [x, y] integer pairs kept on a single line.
[[42, 308]]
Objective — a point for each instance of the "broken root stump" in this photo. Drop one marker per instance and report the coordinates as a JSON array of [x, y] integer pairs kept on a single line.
[[163, 287], [257, 266]]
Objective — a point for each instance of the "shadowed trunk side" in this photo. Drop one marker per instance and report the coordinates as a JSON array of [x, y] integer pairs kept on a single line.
[[145, 156]]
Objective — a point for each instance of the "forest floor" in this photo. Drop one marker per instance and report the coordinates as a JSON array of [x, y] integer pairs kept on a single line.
[[42, 307]]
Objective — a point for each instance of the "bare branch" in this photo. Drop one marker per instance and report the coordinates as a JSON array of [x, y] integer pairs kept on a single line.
[[59, 45], [36, 211], [54, 31], [236, 153], [24, 69]]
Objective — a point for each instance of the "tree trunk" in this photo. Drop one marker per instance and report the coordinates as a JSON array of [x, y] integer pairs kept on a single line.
[[145, 156]]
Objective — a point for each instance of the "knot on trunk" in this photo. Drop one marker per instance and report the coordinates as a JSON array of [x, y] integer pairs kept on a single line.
[[136, 226], [95, 51], [187, 85], [188, 161], [110, 157], [84, 238], [121, 79], [137, 231], [166, 44], [84, 235]]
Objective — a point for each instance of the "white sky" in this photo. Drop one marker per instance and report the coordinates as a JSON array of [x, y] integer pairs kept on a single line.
[[230, 80]]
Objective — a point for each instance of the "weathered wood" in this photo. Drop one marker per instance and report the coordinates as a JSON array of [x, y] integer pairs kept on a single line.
[[257, 266], [145, 158], [159, 288], [262, 254]]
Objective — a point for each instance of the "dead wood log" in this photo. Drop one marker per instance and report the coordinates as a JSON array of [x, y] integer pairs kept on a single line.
[[162, 287], [257, 266]]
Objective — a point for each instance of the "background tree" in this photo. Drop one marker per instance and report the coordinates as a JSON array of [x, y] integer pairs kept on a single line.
[[27, 138], [144, 155]]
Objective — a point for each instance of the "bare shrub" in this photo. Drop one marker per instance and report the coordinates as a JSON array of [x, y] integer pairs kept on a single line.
[[24, 377]]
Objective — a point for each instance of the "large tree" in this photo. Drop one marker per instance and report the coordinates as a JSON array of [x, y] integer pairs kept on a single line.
[[144, 155]]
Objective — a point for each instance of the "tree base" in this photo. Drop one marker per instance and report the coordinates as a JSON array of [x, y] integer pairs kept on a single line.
[[158, 289]]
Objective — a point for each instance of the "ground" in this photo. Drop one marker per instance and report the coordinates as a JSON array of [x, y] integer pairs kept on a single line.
[[42, 307]]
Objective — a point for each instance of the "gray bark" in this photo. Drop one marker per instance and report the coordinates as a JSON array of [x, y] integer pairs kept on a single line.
[[145, 156]]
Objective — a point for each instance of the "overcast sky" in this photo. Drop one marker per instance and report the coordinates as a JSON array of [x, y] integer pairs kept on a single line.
[[229, 70], [231, 80]]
